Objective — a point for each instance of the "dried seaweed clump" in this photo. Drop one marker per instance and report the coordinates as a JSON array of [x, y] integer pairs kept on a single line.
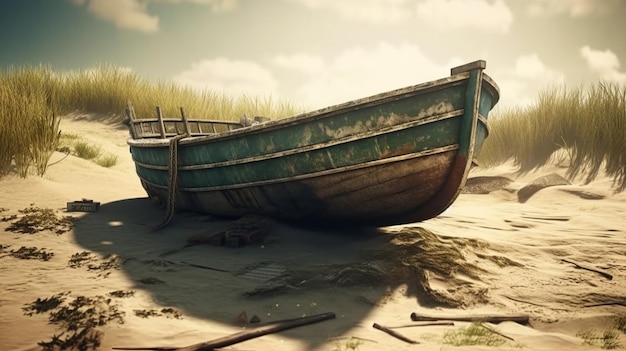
[[80, 259], [26, 253], [79, 318], [122, 293], [167, 312], [35, 219]]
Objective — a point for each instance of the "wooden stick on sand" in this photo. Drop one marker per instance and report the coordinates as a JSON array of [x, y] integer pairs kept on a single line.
[[232, 339], [522, 318], [423, 324], [395, 334]]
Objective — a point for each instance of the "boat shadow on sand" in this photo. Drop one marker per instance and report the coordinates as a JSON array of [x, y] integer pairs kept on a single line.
[[292, 272]]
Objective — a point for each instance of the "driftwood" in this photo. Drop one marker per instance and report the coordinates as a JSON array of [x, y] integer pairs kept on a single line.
[[604, 274], [395, 334], [521, 318], [422, 324], [273, 327]]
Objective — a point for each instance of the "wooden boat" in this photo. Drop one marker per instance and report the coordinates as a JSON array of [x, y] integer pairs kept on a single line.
[[393, 158]]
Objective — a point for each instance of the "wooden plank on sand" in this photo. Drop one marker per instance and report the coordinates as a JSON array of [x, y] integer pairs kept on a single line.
[[521, 318]]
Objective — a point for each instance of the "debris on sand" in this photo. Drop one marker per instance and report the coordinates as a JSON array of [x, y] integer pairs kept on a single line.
[[167, 312], [79, 318], [35, 219], [249, 229], [27, 253]]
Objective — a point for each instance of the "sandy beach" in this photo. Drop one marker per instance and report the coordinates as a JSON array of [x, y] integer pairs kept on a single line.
[[556, 255]]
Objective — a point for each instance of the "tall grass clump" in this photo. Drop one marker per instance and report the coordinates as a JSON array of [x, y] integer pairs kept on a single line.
[[587, 124], [107, 89], [206, 104], [104, 89], [29, 122]]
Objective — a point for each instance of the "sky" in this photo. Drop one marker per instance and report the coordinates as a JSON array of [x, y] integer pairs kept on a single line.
[[316, 53]]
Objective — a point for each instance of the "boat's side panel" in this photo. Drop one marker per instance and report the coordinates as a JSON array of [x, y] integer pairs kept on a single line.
[[353, 153], [365, 196]]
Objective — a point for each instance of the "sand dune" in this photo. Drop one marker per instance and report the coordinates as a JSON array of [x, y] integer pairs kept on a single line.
[[488, 254]]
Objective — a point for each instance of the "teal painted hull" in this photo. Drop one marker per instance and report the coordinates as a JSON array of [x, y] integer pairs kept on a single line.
[[393, 158]]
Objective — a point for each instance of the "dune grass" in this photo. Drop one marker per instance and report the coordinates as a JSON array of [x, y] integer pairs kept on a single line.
[[106, 161], [85, 150], [349, 344], [29, 122], [73, 144], [474, 334], [107, 89], [588, 124], [33, 98], [608, 339]]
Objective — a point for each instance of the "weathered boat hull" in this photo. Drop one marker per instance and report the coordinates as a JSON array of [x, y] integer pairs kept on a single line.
[[393, 158]]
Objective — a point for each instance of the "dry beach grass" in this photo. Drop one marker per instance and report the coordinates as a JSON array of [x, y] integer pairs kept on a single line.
[[104, 279]]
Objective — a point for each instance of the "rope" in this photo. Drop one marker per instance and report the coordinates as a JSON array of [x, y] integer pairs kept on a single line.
[[172, 181]]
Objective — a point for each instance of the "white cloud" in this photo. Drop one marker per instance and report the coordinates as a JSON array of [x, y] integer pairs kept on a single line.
[[360, 72], [456, 14], [373, 11], [520, 84], [442, 14], [216, 5], [133, 14], [604, 63], [305, 63], [530, 67], [231, 77], [574, 8], [127, 14]]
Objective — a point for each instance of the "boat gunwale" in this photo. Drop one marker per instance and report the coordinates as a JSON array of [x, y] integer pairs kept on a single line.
[[493, 88]]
